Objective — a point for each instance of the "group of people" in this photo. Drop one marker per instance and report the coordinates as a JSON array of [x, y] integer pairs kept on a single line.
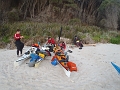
[[51, 41]]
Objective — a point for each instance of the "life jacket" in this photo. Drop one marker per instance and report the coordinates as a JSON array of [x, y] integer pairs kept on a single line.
[[35, 45], [56, 48]]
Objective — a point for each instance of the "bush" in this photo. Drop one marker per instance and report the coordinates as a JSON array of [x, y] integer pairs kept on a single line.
[[74, 21], [71, 5], [55, 1], [13, 16], [4, 30], [6, 39], [35, 32], [115, 40]]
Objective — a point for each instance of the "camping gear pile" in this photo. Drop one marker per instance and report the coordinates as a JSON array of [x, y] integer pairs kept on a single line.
[[38, 56], [35, 54]]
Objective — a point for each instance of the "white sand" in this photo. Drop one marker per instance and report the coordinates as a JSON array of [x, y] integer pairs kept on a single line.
[[95, 71]]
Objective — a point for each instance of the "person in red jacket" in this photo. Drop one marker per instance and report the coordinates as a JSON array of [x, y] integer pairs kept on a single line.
[[18, 42], [63, 45], [51, 43]]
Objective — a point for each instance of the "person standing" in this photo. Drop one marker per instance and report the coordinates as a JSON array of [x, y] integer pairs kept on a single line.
[[18, 42]]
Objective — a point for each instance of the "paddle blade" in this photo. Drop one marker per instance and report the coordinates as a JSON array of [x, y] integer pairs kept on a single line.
[[116, 67]]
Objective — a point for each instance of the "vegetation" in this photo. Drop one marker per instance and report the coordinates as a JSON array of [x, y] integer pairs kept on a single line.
[[74, 16], [88, 11], [71, 5], [107, 3], [55, 1], [39, 31]]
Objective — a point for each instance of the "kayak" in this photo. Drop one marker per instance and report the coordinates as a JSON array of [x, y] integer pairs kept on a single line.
[[25, 56], [62, 64], [66, 71]]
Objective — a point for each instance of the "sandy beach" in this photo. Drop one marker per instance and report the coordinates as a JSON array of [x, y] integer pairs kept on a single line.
[[95, 71]]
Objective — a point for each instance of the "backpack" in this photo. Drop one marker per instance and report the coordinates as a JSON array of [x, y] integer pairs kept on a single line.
[[72, 66]]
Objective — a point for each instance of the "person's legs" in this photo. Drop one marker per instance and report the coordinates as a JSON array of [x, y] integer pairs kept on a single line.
[[18, 48], [81, 45], [17, 52], [21, 51], [77, 44], [21, 47]]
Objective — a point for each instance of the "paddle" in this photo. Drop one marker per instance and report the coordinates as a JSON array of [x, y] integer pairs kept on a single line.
[[60, 33], [116, 67]]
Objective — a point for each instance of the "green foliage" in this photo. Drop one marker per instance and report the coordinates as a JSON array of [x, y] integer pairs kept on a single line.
[[81, 35], [5, 39], [74, 21], [71, 5], [55, 1], [78, 29], [39, 31], [71, 1], [67, 28], [56, 9], [13, 16], [4, 30], [115, 40], [102, 23], [96, 38], [26, 37], [106, 3], [60, 1]]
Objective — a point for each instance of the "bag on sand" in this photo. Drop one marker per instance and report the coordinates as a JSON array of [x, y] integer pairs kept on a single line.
[[54, 62], [72, 66], [42, 55], [31, 64]]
